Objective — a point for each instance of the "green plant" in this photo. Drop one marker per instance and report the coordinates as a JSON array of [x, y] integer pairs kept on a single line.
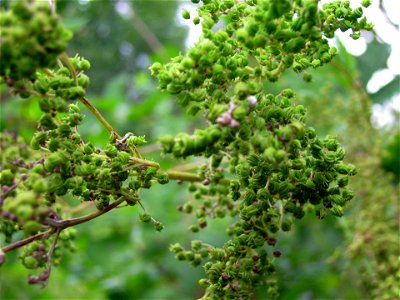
[[264, 168]]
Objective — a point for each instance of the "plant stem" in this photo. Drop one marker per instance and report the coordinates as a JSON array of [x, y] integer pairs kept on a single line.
[[75, 221], [99, 117], [59, 225], [145, 162], [185, 176], [27, 240]]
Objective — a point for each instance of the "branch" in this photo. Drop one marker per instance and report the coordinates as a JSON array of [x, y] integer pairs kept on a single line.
[[62, 224], [99, 117], [59, 225], [43, 235], [185, 176]]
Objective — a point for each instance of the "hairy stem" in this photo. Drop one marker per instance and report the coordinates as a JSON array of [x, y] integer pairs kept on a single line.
[[99, 117], [185, 176]]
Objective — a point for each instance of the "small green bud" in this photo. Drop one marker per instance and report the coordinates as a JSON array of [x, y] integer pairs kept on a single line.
[[40, 186], [239, 113], [337, 210], [194, 228], [136, 140], [287, 224], [158, 226], [196, 20], [366, 3], [6, 177], [196, 245], [24, 212], [307, 77], [83, 80], [204, 283], [145, 217], [176, 248], [31, 227], [189, 255], [30, 262], [187, 208], [186, 14], [162, 178], [84, 65]]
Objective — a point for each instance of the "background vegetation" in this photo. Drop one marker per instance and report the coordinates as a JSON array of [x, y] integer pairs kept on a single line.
[[117, 257]]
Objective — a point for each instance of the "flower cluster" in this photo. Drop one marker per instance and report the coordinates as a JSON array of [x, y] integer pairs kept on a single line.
[[266, 167], [32, 37]]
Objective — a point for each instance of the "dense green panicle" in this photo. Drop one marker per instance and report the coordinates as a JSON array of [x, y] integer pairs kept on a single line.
[[32, 37], [278, 168], [264, 167]]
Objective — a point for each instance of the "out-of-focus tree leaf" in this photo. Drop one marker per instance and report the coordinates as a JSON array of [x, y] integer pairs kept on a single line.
[[374, 58], [387, 92], [346, 59]]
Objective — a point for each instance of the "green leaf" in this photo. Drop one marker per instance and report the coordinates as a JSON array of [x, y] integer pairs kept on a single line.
[[373, 59], [387, 92]]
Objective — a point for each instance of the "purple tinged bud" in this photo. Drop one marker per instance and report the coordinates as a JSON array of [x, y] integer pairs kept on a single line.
[[2, 257], [271, 241], [252, 100], [32, 279], [234, 123], [277, 253], [234, 287], [256, 269]]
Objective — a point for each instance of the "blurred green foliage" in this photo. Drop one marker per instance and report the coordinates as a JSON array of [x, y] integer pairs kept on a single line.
[[117, 257]]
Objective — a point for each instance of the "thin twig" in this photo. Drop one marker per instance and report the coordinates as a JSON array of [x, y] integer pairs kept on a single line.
[[75, 221], [28, 240]]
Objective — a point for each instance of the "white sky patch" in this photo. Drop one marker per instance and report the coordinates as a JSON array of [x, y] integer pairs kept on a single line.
[[195, 31], [124, 8], [386, 32], [382, 114], [379, 80]]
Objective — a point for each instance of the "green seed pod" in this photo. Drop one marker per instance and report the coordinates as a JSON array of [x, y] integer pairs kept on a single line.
[[136, 140], [46, 104], [30, 262], [24, 212], [162, 178], [84, 65], [83, 80], [307, 77], [111, 151], [75, 92], [145, 217], [42, 85], [188, 63], [176, 248], [27, 197], [194, 228], [31, 228], [348, 195], [337, 210], [196, 245], [196, 20], [189, 255], [287, 224], [366, 3], [40, 186], [204, 283], [187, 208], [158, 226], [6, 177], [186, 14]]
